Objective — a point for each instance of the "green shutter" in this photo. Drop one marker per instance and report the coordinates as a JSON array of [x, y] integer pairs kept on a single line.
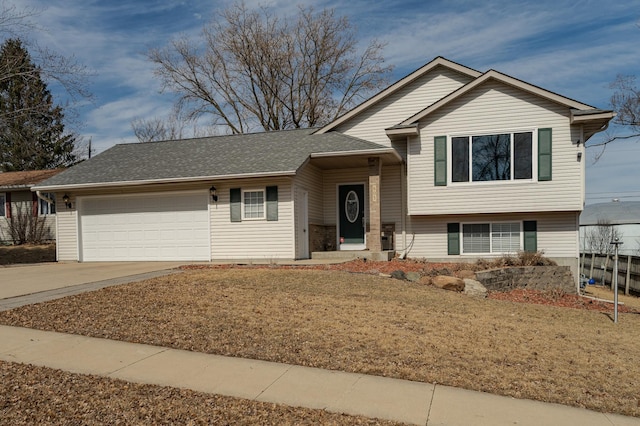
[[453, 238], [530, 228], [235, 204], [440, 160], [272, 203], [544, 154]]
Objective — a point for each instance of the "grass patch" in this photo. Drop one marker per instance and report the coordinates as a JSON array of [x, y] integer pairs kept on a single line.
[[367, 324]]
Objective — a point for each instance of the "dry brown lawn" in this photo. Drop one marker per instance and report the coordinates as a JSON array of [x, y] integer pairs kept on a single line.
[[368, 324], [37, 396]]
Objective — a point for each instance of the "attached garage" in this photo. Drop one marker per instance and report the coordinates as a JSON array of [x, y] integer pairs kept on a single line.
[[145, 227]]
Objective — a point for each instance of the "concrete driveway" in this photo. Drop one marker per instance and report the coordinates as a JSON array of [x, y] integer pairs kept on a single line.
[[21, 280]]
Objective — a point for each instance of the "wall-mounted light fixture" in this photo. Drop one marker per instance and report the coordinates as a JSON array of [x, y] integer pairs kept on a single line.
[[214, 196], [579, 156], [67, 201]]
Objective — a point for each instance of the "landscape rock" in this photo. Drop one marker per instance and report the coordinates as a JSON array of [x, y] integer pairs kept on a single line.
[[425, 280], [466, 273], [413, 276], [399, 275], [474, 288], [448, 283]]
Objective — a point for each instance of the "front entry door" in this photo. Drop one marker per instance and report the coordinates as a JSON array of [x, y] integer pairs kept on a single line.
[[351, 217]]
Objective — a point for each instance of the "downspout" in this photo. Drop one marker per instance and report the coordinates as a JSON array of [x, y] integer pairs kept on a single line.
[[43, 198]]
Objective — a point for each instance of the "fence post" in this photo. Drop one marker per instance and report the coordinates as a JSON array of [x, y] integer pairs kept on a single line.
[[628, 278], [593, 262], [604, 272]]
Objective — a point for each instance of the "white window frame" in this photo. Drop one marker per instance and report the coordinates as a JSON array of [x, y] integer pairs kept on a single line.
[[3, 201], [491, 242], [41, 203], [264, 203], [470, 135]]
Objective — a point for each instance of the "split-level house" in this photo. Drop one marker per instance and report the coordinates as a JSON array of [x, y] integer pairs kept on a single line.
[[21, 208], [447, 164]]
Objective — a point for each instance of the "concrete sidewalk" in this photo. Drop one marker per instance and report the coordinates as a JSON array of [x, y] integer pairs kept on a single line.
[[20, 280], [357, 394]]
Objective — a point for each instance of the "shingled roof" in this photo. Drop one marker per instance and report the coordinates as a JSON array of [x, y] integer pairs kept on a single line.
[[612, 213], [257, 154], [25, 179]]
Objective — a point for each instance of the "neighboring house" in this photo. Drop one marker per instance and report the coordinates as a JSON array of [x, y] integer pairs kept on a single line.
[[624, 217], [448, 164], [17, 199]]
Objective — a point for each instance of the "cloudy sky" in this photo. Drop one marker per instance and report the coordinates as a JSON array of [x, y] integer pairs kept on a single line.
[[575, 48]]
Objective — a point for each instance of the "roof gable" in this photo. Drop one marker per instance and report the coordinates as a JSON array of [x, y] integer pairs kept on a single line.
[[395, 87], [502, 78]]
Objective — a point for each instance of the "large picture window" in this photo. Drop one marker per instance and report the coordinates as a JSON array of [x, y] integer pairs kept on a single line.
[[482, 158], [499, 237]]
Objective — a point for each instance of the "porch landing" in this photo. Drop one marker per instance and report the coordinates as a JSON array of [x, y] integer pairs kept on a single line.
[[345, 255]]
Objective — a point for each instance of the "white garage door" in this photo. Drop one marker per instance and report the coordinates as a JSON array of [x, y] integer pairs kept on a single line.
[[167, 226]]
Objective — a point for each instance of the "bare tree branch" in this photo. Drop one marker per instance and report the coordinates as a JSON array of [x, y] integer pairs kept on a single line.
[[253, 70]]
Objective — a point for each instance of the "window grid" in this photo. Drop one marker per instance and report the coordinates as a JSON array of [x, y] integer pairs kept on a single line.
[[492, 157], [253, 204], [501, 237]]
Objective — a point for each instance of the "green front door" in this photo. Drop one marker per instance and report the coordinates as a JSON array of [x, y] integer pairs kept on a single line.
[[351, 214]]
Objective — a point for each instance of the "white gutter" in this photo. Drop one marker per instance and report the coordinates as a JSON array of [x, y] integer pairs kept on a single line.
[[160, 181], [356, 153], [43, 198]]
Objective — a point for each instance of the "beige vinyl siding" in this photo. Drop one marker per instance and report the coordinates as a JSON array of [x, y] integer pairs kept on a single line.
[[66, 230], [333, 178], [494, 108], [310, 179], [409, 100], [391, 200], [253, 239], [557, 233]]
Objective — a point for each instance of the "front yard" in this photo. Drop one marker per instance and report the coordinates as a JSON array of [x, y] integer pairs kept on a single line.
[[368, 324]]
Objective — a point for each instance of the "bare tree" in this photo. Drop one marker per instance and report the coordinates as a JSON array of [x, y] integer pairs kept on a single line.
[[625, 101], [252, 70], [159, 129], [598, 238], [52, 67]]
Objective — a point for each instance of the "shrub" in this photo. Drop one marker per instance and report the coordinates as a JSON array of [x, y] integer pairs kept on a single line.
[[23, 227]]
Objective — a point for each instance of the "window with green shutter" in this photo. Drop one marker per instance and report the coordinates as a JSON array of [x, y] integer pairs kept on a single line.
[[530, 228], [440, 160], [272, 203], [453, 238], [544, 154], [235, 204]]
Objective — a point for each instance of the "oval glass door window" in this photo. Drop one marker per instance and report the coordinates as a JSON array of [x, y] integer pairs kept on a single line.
[[351, 206]]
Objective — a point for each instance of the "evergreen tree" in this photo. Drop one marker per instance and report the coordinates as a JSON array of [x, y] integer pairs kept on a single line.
[[32, 135]]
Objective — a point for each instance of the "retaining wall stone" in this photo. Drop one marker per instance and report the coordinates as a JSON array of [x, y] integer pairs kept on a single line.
[[529, 277]]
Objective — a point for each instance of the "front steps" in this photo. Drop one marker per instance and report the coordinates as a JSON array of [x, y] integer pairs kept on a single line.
[[345, 255]]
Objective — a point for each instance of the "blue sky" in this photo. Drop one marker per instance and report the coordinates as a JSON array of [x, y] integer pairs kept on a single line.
[[575, 48]]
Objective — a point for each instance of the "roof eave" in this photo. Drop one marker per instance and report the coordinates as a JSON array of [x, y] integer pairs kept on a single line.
[[597, 116], [81, 186], [411, 130], [505, 79], [369, 152]]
